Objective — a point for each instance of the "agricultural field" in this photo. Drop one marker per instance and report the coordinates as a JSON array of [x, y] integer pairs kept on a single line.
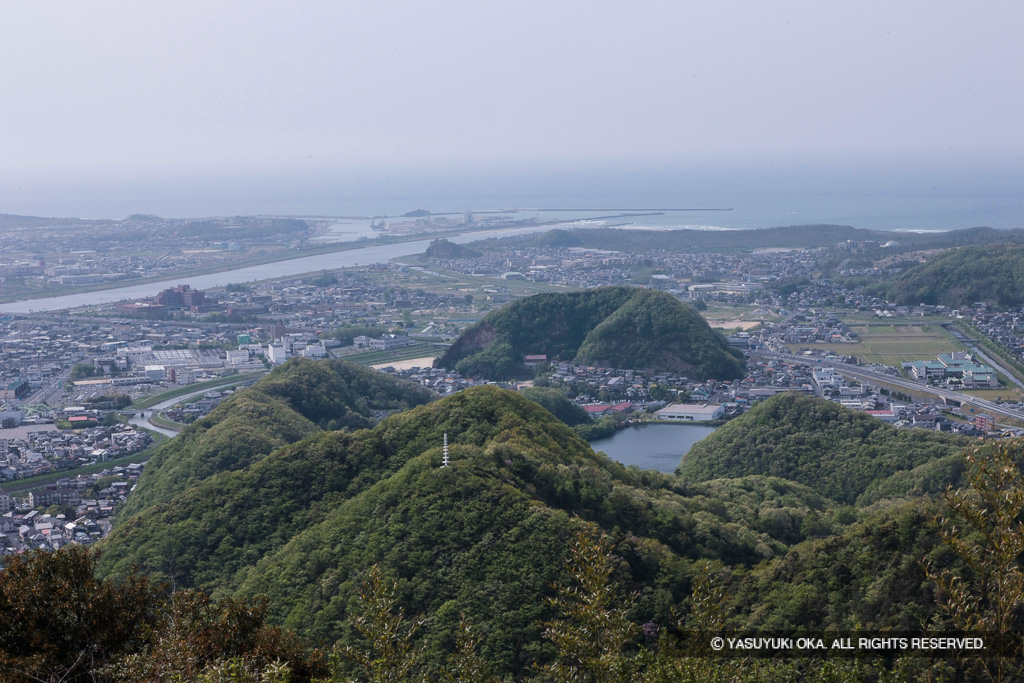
[[737, 316], [1008, 392], [894, 343]]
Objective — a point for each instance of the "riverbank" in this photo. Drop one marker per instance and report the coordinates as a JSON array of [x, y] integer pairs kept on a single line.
[[278, 257]]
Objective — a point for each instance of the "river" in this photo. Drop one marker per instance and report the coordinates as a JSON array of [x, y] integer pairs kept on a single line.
[[652, 446], [359, 256]]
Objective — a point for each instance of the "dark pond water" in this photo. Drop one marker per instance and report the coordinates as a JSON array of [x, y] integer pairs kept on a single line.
[[652, 446]]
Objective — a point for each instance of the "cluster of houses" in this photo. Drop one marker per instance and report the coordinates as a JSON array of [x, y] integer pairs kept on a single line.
[[84, 505], [1003, 327], [439, 380], [52, 450], [739, 274], [815, 329], [187, 413], [592, 382]]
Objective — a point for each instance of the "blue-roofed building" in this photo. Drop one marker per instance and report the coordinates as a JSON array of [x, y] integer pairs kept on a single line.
[[957, 368]]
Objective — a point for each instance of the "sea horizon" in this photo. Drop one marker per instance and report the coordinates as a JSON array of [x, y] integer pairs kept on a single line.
[[906, 198]]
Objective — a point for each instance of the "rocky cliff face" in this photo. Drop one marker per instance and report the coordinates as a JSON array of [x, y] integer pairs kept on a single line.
[[472, 340]]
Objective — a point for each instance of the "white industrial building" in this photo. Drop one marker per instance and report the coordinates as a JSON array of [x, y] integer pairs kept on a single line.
[[691, 412]]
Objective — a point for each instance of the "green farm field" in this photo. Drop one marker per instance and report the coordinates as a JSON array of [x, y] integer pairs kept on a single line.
[[892, 344], [895, 343]]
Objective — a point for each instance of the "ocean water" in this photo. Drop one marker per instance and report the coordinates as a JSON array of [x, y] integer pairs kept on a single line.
[[917, 196]]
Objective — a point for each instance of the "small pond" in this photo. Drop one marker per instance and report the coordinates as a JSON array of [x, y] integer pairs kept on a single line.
[[652, 446]]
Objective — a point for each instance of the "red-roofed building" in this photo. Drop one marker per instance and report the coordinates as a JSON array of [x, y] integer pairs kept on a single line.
[[597, 411]]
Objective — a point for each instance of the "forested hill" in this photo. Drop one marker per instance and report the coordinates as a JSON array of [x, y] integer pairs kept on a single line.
[[443, 249], [611, 326], [295, 400], [514, 464], [844, 454], [960, 277], [487, 535], [797, 236]]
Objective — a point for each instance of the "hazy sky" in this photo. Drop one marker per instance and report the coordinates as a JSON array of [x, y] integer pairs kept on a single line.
[[137, 89]]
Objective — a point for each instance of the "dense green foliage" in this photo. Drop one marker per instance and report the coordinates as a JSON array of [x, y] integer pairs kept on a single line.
[[811, 515], [483, 540], [655, 330], [555, 402], [866, 575], [484, 536], [83, 371], [296, 400], [617, 326], [59, 623], [599, 429], [960, 277], [844, 454], [990, 598], [53, 612], [114, 400]]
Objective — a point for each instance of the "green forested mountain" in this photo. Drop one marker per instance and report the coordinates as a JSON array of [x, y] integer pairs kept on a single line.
[[485, 536], [829, 537], [296, 400], [615, 326], [845, 455], [959, 277]]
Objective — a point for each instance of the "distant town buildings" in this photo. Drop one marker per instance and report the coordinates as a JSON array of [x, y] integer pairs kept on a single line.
[[385, 342], [956, 369]]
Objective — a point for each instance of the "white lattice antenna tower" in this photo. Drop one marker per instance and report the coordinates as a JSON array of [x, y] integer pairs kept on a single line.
[[444, 459]]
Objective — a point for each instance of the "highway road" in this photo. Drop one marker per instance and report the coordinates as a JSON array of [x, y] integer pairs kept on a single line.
[[53, 386], [873, 377]]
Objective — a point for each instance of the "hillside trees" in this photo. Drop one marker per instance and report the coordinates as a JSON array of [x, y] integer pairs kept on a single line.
[[59, 623], [617, 326], [960, 277], [988, 598]]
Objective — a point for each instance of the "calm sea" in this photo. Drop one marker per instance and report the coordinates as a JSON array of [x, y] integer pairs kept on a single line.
[[919, 196]]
